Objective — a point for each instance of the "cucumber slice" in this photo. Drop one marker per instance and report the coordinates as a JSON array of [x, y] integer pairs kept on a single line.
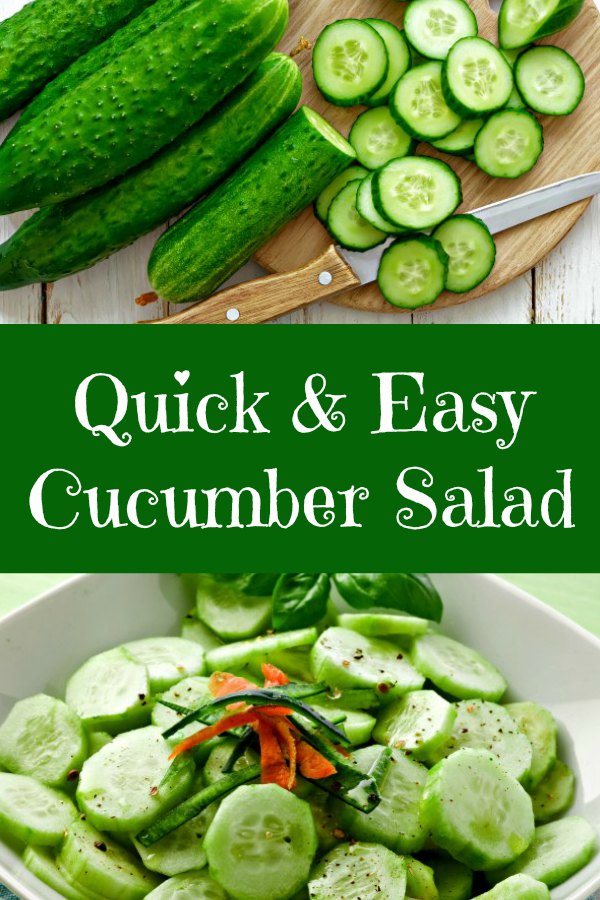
[[487, 726], [509, 144], [44, 738], [434, 26], [420, 881], [515, 101], [471, 251], [399, 59], [476, 80], [97, 740], [261, 843], [413, 272], [357, 725], [359, 872], [476, 811], [419, 723], [377, 138], [395, 822], [329, 831], [554, 795], [220, 756], [294, 662], [240, 654], [32, 812], [324, 200], [454, 881], [121, 788], [167, 659], [366, 207], [521, 22], [383, 624], [519, 887], [417, 103], [191, 886], [110, 692], [192, 629], [538, 724], [346, 224], [350, 62], [558, 851], [91, 862], [456, 669], [344, 659], [182, 850], [549, 81], [462, 139], [230, 614], [416, 192], [41, 862], [191, 693]]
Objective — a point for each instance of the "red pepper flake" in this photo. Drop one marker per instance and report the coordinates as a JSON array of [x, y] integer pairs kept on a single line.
[[153, 791], [383, 688], [100, 845], [73, 775], [146, 299]]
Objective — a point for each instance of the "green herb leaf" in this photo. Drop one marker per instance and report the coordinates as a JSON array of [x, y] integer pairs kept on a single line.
[[300, 599], [410, 593]]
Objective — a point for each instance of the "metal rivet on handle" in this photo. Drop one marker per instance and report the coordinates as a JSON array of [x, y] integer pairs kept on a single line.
[[233, 315], [325, 278]]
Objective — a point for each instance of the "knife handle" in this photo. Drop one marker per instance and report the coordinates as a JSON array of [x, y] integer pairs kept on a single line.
[[274, 295]]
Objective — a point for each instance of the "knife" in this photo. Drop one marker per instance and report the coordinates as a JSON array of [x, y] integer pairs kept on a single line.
[[337, 269]]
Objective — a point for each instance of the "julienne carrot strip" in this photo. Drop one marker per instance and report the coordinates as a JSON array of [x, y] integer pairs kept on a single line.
[[287, 742], [273, 765], [312, 763], [274, 677], [237, 720]]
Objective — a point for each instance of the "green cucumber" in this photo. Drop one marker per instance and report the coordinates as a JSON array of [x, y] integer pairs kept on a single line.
[[42, 863], [521, 22], [477, 79], [377, 138], [46, 36], [189, 694], [366, 207], [241, 653], [554, 795], [418, 724], [230, 613], [549, 81], [417, 103], [462, 140], [509, 144], [350, 61], [413, 271], [44, 738], [518, 887], [347, 226], [420, 880], [69, 237], [471, 251], [192, 629], [398, 58], [457, 669], [167, 659], [327, 196], [180, 851], [383, 624], [32, 812], [454, 881], [115, 118], [189, 886], [359, 871], [540, 727], [434, 26], [416, 192], [285, 175]]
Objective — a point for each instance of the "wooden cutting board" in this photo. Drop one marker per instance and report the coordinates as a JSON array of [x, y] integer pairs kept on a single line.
[[572, 147]]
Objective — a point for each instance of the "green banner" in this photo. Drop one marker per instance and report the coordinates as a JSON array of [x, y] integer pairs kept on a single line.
[[378, 448]]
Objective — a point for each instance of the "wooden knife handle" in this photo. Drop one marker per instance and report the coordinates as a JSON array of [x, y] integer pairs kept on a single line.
[[274, 295]]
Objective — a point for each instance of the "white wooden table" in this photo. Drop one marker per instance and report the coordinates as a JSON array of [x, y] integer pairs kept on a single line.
[[565, 288]]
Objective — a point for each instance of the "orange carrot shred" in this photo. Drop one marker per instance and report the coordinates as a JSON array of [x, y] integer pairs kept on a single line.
[[288, 743], [274, 677], [312, 763], [273, 765], [205, 734]]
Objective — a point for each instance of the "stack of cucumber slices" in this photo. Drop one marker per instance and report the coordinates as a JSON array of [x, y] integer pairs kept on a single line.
[[437, 82], [440, 790]]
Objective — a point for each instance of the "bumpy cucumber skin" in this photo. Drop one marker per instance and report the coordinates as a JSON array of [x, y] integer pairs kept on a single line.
[[61, 240], [220, 235], [158, 88], [565, 13], [45, 36]]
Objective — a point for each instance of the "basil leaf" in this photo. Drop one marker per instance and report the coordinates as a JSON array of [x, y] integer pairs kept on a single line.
[[410, 593], [300, 599], [253, 584]]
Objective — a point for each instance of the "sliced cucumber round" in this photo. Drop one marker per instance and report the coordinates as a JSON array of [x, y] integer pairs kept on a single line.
[[416, 192], [413, 272], [434, 26], [419, 723], [462, 140], [350, 62], [518, 887], [41, 862], [558, 851], [97, 740], [231, 614], [453, 880], [220, 756], [366, 207], [420, 881], [476, 79], [457, 669], [549, 81], [182, 850], [325, 199], [167, 659], [417, 103], [377, 138], [554, 795], [345, 659], [399, 59], [476, 811], [32, 812], [383, 624], [261, 843], [122, 788], [521, 22], [242, 653], [486, 726], [110, 692], [329, 831], [538, 724], [359, 872], [191, 693], [471, 251], [44, 738], [346, 224], [356, 724], [509, 144], [395, 822], [191, 886], [192, 629]]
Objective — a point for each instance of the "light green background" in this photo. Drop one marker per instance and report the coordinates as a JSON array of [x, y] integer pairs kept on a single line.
[[577, 596]]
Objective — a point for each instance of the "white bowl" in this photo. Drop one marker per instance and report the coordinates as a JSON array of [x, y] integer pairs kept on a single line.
[[544, 656]]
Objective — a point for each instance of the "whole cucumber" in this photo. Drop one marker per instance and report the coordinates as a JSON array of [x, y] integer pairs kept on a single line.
[[66, 238], [277, 182], [46, 36], [122, 114]]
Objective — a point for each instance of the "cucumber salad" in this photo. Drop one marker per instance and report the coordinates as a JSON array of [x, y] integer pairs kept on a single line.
[[437, 82], [293, 742]]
